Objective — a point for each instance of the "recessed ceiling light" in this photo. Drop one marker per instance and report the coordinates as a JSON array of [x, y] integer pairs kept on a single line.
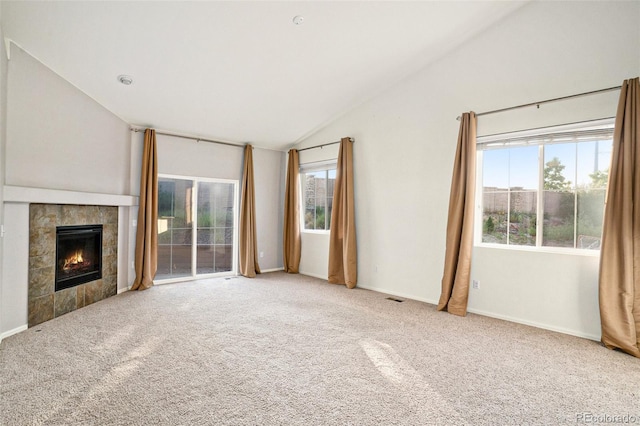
[[125, 79], [298, 19]]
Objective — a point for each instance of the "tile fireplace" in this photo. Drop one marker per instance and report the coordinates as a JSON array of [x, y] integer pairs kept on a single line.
[[73, 258]]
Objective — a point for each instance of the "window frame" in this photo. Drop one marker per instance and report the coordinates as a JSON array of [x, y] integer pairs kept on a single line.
[[503, 138], [313, 167], [194, 228]]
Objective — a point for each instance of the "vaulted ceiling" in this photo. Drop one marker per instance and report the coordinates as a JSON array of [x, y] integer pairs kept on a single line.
[[241, 71]]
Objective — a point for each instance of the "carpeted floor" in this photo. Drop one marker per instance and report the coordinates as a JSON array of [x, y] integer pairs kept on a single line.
[[287, 349]]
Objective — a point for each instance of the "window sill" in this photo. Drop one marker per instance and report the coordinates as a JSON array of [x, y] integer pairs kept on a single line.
[[545, 250], [316, 231]]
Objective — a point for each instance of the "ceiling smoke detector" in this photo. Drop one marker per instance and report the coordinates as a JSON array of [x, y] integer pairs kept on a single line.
[[125, 79], [298, 19]]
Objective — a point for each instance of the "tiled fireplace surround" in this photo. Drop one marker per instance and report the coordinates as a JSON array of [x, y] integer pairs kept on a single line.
[[44, 302]]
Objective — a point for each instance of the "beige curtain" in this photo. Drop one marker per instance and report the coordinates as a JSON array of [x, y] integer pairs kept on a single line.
[[248, 239], [342, 237], [291, 234], [457, 261], [620, 250], [146, 262]]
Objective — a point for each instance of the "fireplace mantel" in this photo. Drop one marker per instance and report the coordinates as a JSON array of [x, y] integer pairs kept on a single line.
[[26, 194]]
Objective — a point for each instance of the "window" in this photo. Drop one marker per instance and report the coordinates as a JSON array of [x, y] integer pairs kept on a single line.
[[317, 189], [544, 188], [196, 227]]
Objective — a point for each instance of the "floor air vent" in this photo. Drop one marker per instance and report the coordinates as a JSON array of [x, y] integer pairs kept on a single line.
[[394, 299]]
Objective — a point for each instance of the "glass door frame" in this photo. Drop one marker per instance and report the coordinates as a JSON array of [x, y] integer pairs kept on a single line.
[[194, 228]]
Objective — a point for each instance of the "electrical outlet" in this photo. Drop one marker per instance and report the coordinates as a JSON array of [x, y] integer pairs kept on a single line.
[[261, 254], [476, 284]]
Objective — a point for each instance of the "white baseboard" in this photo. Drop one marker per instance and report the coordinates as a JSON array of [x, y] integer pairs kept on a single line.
[[264, 271], [122, 290], [535, 324], [14, 331], [313, 275], [492, 315], [399, 294]]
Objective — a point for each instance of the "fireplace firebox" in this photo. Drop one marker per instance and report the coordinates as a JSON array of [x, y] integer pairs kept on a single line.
[[78, 255]]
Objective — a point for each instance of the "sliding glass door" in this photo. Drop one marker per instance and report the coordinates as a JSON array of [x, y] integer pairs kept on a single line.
[[197, 227], [215, 227], [174, 228]]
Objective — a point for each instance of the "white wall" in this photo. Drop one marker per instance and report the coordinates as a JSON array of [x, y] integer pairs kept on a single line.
[[405, 143], [58, 137], [3, 129], [268, 167], [179, 156], [15, 269], [549, 290]]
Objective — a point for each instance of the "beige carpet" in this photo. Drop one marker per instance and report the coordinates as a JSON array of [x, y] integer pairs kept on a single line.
[[285, 349]]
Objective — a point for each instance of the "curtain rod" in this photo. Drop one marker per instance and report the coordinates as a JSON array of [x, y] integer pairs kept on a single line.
[[324, 144], [593, 92], [133, 129]]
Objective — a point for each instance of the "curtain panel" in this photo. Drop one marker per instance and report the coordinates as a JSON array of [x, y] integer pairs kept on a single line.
[[457, 262], [146, 254], [342, 237], [291, 246], [248, 236], [619, 279]]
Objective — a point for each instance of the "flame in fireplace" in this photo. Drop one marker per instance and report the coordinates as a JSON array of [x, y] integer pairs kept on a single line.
[[74, 259]]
